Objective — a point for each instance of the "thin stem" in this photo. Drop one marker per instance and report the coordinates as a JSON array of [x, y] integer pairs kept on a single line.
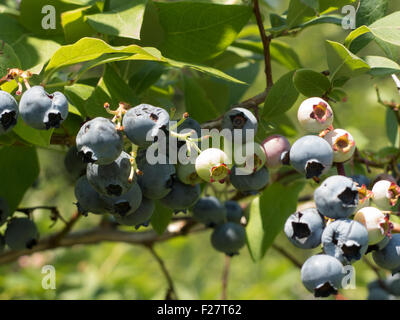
[[225, 277], [286, 254], [171, 293], [340, 168], [266, 43]]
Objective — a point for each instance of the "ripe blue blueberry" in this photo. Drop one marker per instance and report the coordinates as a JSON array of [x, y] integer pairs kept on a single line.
[[42, 110], [98, 141], [21, 233], [111, 179], [389, 257], [243, 120], [311, 155], [322, 275], [140, 216], [234, 211], [4, 211], [126, 203], [143, 123], [190, 125], [181, 196], [393, 284], [210, 211], [361, 180], [8, 112], [88, 199], [74, 164], [346, 240], [304, 228], [336, 197], [228, 238], [156, 179], [378, 291], [249, 183]]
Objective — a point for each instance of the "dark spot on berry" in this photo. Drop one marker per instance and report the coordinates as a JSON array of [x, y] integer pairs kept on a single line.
[[325, 290], [351, 252], [8, 119], [314, 169], [87, 157], [122, 208], [285, 158], [169, 182], [31, 243], [154, 117], [348, 197], [54, 120], [114, 190], [334, 239], [50, 96], [238, 120], [300, 230], [371, 248]]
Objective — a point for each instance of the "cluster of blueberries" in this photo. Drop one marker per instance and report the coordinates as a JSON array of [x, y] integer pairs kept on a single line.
[[127, 185], [41, 111], [114, 175], [343, 220]]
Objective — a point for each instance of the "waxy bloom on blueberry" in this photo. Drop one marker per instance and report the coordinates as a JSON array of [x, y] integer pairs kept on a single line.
[[346, 240], [21, 233], [311, 155], [210, 211], [213, 165], [8, 112], [389, 257], [88, 199], [342, 143], [98, 141], [275, 147], [336, 197], [322, 275], [41, 110], [241, 120], [251, 155], [140, 216], [304, 228], [377, 223], [385, 194], [315, 115], [229, 238], [249, 183]]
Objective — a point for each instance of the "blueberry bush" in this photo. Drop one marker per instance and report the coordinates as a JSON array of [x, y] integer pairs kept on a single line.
[[257, 127]]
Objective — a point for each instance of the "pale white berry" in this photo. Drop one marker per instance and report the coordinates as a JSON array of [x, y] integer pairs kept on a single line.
[[376, 222], [342, 143], [315, 115], [385, 194], [213, 165]]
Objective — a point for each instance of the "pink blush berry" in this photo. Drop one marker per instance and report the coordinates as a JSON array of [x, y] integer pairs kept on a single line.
[[274, 146]]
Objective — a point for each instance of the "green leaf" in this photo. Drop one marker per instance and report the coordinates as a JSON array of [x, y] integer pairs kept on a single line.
[[299, 13], [268, 214], [381, 66], [147, 74], [198, 104], [388, 28], [326, 6], [32, 52], [161, 218], [8, 59], [343, 64], [74, 24], [36, 137], [31, 16], [280, 51], [96, 52], [392, 129], [123, 21], [281, 97], [314, 4], [196, 31], [87, 49], [112, 89], [311, 83], [77, 95], [355, 34], [370, 11], [338, 94], [332, 19], [15, 182]]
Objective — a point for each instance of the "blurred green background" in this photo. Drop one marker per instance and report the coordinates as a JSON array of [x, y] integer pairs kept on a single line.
[[122, 271]]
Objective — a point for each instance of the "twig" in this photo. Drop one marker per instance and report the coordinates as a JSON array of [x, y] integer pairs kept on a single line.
[[286, 254], [266, 42], [54, 211], [97, 235], [225, 277], [340, 168], [171, 293]]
